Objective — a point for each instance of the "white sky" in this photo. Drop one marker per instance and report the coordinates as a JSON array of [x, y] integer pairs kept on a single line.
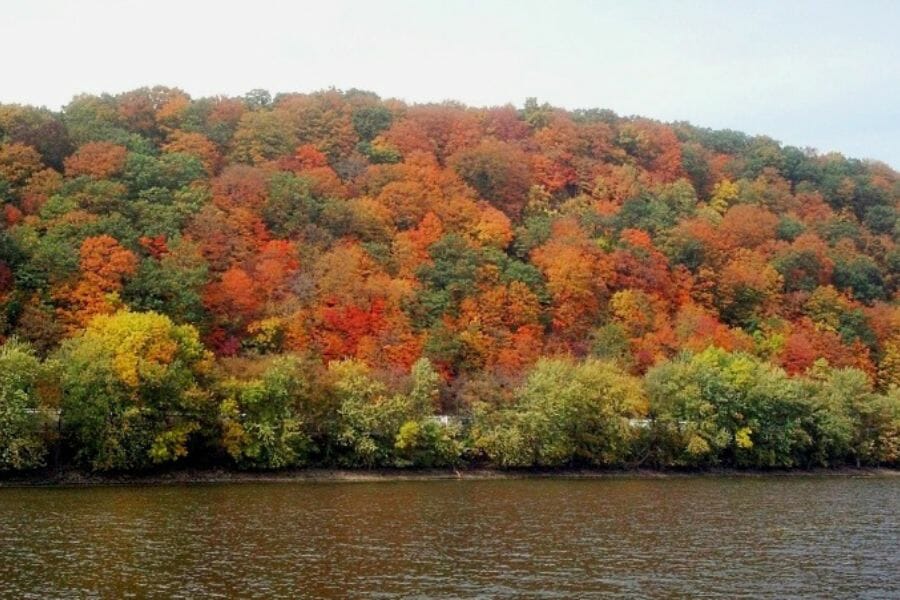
[[823, 74]]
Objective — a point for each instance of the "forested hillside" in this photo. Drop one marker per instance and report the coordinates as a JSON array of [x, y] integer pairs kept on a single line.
[[336, 279]]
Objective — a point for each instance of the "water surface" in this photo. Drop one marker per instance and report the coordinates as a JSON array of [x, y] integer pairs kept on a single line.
[[541, 538]]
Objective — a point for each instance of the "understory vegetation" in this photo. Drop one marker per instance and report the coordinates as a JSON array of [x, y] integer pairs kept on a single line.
[[134, 390]]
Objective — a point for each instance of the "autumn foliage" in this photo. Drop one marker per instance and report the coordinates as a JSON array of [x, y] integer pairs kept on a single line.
[[350, 230]]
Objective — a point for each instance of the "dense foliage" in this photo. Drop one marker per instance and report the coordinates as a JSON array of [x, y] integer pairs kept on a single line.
[[335, 279]]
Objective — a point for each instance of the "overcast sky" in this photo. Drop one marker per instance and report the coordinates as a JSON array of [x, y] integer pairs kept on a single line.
[[822, 74]]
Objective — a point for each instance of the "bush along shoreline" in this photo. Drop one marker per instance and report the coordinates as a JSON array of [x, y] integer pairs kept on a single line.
[[134, 392]]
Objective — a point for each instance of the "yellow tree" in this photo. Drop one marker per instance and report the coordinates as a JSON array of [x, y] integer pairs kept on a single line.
[[133, 387]]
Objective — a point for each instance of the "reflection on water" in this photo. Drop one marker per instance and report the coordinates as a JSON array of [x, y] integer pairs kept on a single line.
[[752, 537]]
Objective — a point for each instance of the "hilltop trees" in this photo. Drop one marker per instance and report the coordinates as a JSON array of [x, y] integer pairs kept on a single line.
[[313, 256]]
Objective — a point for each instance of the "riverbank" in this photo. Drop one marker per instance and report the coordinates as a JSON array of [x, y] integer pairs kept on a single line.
[[74, 478]]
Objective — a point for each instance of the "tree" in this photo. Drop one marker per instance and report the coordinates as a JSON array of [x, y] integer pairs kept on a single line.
[[498, 171], [437, 129], [104, 266], [234, 297], [39, 128], [25, 404], [169, 171], [291, 207], [18, 163], [747, 226], [852, 422], [377, 428], [576, 278], [262, 136], [323, 119], [565, 413], [889, 366], [195, 144], [133, 390], [140, 110], [369, 419], [861, 275], [423, 441], [261, 419], [170, 284], [655, 146], [226, 237], [748, 287], [805, 265], [99, 160], [449, 278], [369, 121], [717, 407], [91, 118]]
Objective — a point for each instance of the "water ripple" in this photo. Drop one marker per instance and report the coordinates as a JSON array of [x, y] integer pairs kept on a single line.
[[624, 538]]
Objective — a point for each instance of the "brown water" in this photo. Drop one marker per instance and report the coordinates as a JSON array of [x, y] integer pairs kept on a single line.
[[685, 537]]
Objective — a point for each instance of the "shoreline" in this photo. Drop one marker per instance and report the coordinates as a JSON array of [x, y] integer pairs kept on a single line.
[[76, 478]]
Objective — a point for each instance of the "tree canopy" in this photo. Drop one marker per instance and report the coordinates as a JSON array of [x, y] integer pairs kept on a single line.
[[281, 280]]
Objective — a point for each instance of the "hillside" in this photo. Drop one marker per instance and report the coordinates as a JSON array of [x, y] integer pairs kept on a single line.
[[311, 278]]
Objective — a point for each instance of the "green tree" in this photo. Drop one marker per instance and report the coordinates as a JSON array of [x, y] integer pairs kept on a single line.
[[171, 285], [262, 421], [861, 275], [378, 428], [448, 279], [423, 440], [169, 171], [23, 408], [864, 426], [565, 413], [291, 206], [370, 120], [369, 417], [428, 443], [725, 408]]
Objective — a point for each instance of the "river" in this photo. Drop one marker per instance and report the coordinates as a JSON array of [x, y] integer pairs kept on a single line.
[[796, 536]]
